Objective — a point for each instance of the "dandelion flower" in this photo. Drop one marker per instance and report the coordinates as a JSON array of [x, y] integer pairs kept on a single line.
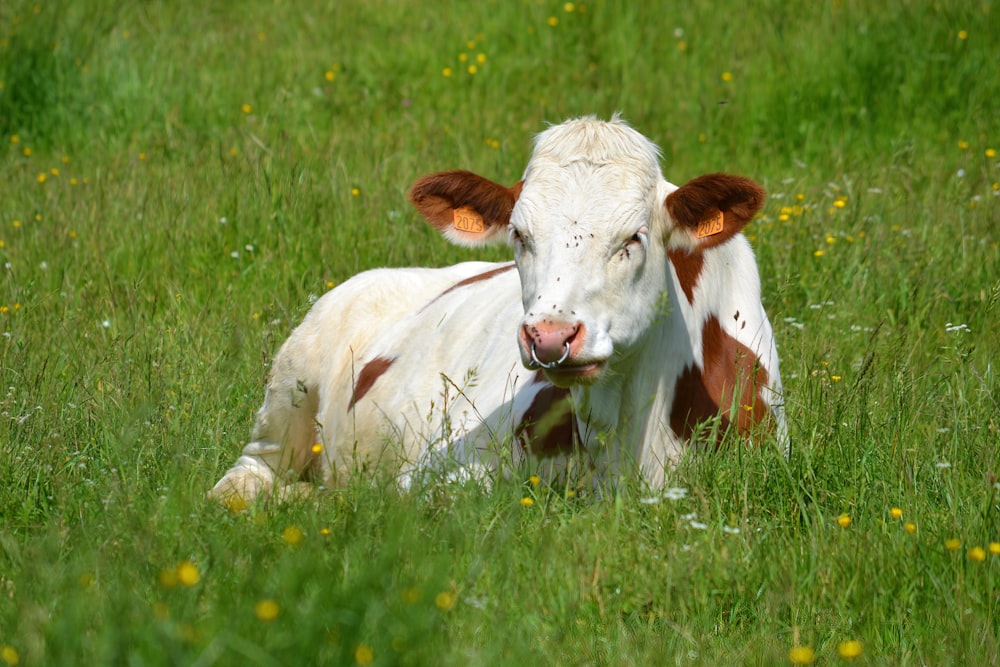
[[187, 573], [292, 535], [552, 21], [266, 610], [27, 152], [991, 152], [246, 108], [363, 654], [895, 512], [727, 76], [953, 544], [9, 655], [910, 527], [977, 554], [527, 501], [446, 72], [534, 480], [963, 34], [843, 520], [42, 177], [801, 655], [355, 192], [472, 69], [317, 448], [849, 650], [994, 548], [569, 7], [444, 600]]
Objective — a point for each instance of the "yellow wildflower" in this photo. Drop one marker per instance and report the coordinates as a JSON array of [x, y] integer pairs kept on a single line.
[[953, 544], [801, 655], [534, 480], [527, 501], [895, 512], [977, 554], [991, 152], [292, 535], [9, 655], [843, 520], [849, 650], [727, 76], [994, 548], [187, 573], [444, 600], [910, 527], [266, 610], [363, 654], [552, 21]]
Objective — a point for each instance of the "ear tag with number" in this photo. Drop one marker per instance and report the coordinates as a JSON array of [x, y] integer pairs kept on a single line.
[[711, 225], [467, 219]]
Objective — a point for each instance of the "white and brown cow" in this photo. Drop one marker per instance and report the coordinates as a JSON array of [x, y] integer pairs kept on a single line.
[[628, 325]]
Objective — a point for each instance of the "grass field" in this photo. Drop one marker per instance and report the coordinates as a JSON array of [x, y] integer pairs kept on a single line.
[[179, 180]]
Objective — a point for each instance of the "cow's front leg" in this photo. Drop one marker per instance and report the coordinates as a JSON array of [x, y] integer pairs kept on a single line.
[[280, 450]]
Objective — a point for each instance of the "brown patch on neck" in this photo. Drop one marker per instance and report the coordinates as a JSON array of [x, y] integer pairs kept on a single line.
[[371, 372], [728, 386], [548, 428], [688, 267]]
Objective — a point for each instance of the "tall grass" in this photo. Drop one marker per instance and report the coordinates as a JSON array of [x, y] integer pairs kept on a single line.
[[180, 179]]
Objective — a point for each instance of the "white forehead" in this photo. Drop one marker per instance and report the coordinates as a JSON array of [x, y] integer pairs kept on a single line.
[[590, 168]]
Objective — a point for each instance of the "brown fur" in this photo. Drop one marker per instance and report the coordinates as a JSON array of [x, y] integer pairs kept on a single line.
[[437, 196], [371, 372], [688, 267], [737, 197], [731, 368], [548, 427]]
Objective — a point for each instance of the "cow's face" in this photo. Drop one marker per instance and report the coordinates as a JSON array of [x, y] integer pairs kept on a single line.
[[591, 224]]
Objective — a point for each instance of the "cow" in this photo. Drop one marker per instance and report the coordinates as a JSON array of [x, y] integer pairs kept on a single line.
[[628, 328]]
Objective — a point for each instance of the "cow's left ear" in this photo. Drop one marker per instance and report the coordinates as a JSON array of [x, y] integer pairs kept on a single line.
[[710, 209], [466, 208]]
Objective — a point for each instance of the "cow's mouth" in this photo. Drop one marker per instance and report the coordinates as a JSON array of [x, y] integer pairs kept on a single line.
[[567, 375]]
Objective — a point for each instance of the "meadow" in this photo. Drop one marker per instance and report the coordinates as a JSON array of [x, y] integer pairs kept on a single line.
[[180, 180]]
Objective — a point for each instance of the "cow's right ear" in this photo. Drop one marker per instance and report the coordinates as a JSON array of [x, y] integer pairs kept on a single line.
[[466, 208]]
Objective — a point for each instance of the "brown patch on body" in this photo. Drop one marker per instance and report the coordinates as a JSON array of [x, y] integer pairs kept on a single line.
[[687, 265], [728, 386], [371, 372], [548, 428]]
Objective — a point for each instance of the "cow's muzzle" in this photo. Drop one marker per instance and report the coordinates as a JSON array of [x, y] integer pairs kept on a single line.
[[537, 363]]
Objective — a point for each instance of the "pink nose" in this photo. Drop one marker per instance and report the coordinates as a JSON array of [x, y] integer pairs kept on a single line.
[[552, 341]]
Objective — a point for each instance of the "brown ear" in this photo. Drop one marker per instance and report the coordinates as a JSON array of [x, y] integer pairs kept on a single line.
[[466, 208], [710, 209]]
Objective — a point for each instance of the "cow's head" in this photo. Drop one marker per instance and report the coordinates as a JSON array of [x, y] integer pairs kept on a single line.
[[591, 224]]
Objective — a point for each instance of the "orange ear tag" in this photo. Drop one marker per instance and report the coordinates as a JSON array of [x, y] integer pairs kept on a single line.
[[711, 225], [467, 219]]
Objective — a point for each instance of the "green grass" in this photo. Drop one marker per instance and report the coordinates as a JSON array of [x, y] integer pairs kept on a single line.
[[160, 240]]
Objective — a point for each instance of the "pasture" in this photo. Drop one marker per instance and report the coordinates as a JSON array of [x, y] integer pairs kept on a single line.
[[179, 181]]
